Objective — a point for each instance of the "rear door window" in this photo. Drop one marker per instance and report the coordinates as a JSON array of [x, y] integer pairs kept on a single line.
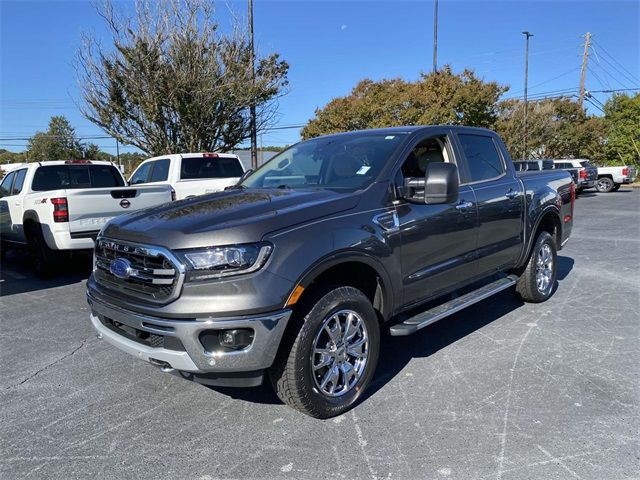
[[210, 167], [5, 186], [483, 160], [141, 175], [160, 171], [19, 182]]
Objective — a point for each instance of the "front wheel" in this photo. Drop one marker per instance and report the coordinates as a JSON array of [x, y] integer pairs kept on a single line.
[[324, 368], [605, 185], [536, 283]]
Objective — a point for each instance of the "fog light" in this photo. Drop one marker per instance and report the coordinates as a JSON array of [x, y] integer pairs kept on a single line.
[[236, 339]]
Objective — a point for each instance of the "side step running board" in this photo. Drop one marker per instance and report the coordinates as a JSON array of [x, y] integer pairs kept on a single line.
[[413, 324]]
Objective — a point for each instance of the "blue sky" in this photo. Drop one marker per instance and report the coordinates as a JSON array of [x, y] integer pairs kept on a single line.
[[330, 46]]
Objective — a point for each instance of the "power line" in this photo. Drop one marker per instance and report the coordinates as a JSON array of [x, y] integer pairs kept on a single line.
[[549, 80], [615, 90], [616, 61], [614, 68]]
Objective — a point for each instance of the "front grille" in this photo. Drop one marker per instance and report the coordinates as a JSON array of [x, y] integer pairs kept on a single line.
[[154, 274]]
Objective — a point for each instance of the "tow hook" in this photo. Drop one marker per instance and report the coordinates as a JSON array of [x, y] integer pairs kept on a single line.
[[165, 367]]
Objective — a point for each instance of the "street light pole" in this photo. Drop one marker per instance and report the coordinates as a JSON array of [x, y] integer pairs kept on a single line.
[[252, 107], [435, 37], [526, 83]]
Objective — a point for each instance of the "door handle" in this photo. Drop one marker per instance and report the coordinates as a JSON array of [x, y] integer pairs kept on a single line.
[[464, 205], [511, 194]]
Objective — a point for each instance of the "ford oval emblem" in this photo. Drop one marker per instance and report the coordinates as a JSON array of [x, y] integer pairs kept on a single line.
[[121, 268], [124, 203]]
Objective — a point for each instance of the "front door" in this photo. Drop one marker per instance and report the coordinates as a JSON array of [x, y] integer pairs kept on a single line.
[[438, 241]]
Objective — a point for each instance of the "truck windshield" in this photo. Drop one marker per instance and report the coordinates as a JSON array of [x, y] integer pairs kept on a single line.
[[210, 167], [56, 177], [348, 162]]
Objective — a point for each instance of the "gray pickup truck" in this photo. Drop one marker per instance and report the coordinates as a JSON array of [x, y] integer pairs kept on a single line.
[[293, 273]]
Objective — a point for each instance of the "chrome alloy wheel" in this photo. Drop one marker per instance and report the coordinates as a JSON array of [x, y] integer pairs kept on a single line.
[[340, 352], [544, 269]]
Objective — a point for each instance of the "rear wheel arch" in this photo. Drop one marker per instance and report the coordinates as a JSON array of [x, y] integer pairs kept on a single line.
[[549, 221]]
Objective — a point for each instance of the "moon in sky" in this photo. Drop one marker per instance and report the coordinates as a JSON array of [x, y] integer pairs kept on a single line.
[[343, 28]]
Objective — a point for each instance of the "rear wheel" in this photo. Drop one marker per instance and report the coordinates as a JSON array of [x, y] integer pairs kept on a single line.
[[43, 259], [324, 368], [616, 187], [605, 185], [536, 283]]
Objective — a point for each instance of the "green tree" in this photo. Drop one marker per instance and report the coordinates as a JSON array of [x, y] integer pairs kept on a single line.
[[59, 142], [557, 128], [174, 82], [7, 156], [622, 119], [435, 98]]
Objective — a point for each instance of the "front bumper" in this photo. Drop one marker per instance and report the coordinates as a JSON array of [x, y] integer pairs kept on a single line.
[[192, 356]]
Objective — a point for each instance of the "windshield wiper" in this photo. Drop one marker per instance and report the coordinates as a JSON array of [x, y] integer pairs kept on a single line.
[[283, 186]]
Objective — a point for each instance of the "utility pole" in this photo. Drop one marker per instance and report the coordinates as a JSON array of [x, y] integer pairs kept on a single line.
[[526, 85], [583, 70], [252, 107], [435, 37]]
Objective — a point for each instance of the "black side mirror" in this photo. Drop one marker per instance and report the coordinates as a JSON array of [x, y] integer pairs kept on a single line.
[[441, 183]]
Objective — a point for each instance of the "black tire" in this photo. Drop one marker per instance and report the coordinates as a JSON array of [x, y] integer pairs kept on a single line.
[[292, 374], [579, 191], [43, 259], [605, 185], [616, 187], [527, 286]]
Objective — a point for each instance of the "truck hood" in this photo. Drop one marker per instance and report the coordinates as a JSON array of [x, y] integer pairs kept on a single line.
[[227, 218]]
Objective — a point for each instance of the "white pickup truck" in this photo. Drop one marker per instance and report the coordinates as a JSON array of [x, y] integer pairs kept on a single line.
[[190, 174], [611, 179], [58, 206]]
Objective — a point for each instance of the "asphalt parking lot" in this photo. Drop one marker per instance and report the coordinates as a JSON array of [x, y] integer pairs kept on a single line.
[[503, 390]]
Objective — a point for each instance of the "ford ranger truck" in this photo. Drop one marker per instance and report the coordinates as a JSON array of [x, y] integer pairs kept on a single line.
[[292, 275], [56, 207]]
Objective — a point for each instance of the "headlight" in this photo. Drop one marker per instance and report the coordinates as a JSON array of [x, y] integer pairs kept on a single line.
[[216, 262]]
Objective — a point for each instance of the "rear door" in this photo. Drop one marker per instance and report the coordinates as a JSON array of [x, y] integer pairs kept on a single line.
[[5, 199], [16, 209], [438, 241], [500, 200]]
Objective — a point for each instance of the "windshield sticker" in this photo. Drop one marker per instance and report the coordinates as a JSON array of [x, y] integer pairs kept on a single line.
[[363, 170]]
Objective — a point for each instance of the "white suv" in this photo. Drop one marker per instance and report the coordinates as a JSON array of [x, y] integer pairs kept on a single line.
[[190, 174]]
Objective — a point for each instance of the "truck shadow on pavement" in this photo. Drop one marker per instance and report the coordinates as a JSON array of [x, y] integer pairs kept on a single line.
[[397, 352], [16, 275]]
